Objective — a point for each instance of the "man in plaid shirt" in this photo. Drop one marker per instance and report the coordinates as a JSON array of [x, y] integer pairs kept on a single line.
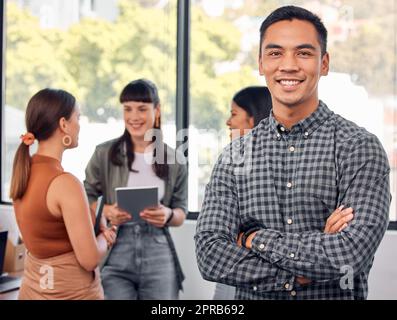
[[272, 191]]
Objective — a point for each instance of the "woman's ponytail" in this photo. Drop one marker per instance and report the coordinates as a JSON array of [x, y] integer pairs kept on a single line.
[[20, 172]]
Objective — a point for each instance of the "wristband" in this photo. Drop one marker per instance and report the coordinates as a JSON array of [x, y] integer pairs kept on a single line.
[[170, 217], [246, 234]]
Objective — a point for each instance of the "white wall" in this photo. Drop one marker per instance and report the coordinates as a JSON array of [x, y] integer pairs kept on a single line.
[[382, 280], [383, 275]]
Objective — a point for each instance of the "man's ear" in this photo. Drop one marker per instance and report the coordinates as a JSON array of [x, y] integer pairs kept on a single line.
[[325, 64], [251, 122]]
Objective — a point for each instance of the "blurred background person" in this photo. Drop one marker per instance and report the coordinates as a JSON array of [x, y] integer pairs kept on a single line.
[[51, 206], [248, 107], [143, 264]]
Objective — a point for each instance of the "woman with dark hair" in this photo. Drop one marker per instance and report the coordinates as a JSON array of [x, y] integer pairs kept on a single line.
[[51, 206], [249, 106], [143, 264]]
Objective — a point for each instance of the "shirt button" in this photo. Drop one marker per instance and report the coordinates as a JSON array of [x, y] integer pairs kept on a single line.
[[255, 288], [289, 185], [278, 137], [306, 134], [261, 247], [289, 221], [292, 255], [286, 286], [293, 293], [282, 129], [292, 148]]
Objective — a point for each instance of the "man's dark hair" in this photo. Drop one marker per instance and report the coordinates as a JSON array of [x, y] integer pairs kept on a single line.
[[290, 13]]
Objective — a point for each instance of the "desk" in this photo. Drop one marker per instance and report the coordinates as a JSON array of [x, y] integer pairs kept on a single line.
[[11, 295]]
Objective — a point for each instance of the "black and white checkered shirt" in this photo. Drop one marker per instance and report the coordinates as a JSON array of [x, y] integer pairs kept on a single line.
[[287, 182]]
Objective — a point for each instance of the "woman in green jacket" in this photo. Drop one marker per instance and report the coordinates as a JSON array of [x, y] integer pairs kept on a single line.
[[143, 263]]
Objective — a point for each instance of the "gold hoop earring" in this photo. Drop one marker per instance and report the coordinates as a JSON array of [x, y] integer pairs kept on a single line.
[[66, 140]]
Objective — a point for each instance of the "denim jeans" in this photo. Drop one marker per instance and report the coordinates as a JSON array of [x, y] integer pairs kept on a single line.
[[140, 266], [224, 292]]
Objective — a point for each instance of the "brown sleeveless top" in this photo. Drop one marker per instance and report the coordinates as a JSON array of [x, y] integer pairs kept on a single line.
[[44, 235]]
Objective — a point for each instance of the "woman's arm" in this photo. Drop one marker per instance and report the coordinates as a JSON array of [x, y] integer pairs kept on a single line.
[[66, 197], [177, 218]]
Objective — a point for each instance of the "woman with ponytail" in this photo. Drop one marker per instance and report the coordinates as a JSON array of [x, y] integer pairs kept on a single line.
[[142, 264], [51, 207]]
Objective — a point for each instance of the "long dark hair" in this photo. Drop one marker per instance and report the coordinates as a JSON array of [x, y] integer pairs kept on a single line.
[[141, 90], [42, 116], [256, 101]]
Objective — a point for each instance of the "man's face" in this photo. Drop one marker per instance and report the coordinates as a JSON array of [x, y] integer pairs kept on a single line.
[[292, 64]]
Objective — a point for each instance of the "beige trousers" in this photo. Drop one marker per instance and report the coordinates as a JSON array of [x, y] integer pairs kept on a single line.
[[59, 277]]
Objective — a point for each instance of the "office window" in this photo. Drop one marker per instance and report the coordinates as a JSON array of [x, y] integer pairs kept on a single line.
[[91, 49], [224, 37], [361, 86]]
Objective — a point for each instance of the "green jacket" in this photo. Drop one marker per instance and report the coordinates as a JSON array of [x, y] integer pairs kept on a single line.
[[102, 177]]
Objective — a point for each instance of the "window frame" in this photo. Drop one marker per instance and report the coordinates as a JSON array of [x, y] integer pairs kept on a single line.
[[2, 99], [182, 107]]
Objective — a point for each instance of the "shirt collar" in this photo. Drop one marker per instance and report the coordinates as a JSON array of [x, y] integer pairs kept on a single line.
[[307, 126]]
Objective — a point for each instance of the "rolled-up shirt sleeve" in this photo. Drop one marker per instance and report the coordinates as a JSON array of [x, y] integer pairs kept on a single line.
[[92, 182], [179, 195]]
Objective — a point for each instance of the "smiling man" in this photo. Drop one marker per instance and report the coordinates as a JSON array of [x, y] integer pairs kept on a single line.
[[293, 59], [261, 227]]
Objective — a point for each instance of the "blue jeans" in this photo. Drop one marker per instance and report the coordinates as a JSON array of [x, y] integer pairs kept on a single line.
[[224, 292], [140, 266]]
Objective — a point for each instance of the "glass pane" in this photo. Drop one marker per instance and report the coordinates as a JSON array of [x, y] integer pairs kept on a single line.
[[92, 49], [362, 84], [223, 60]]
